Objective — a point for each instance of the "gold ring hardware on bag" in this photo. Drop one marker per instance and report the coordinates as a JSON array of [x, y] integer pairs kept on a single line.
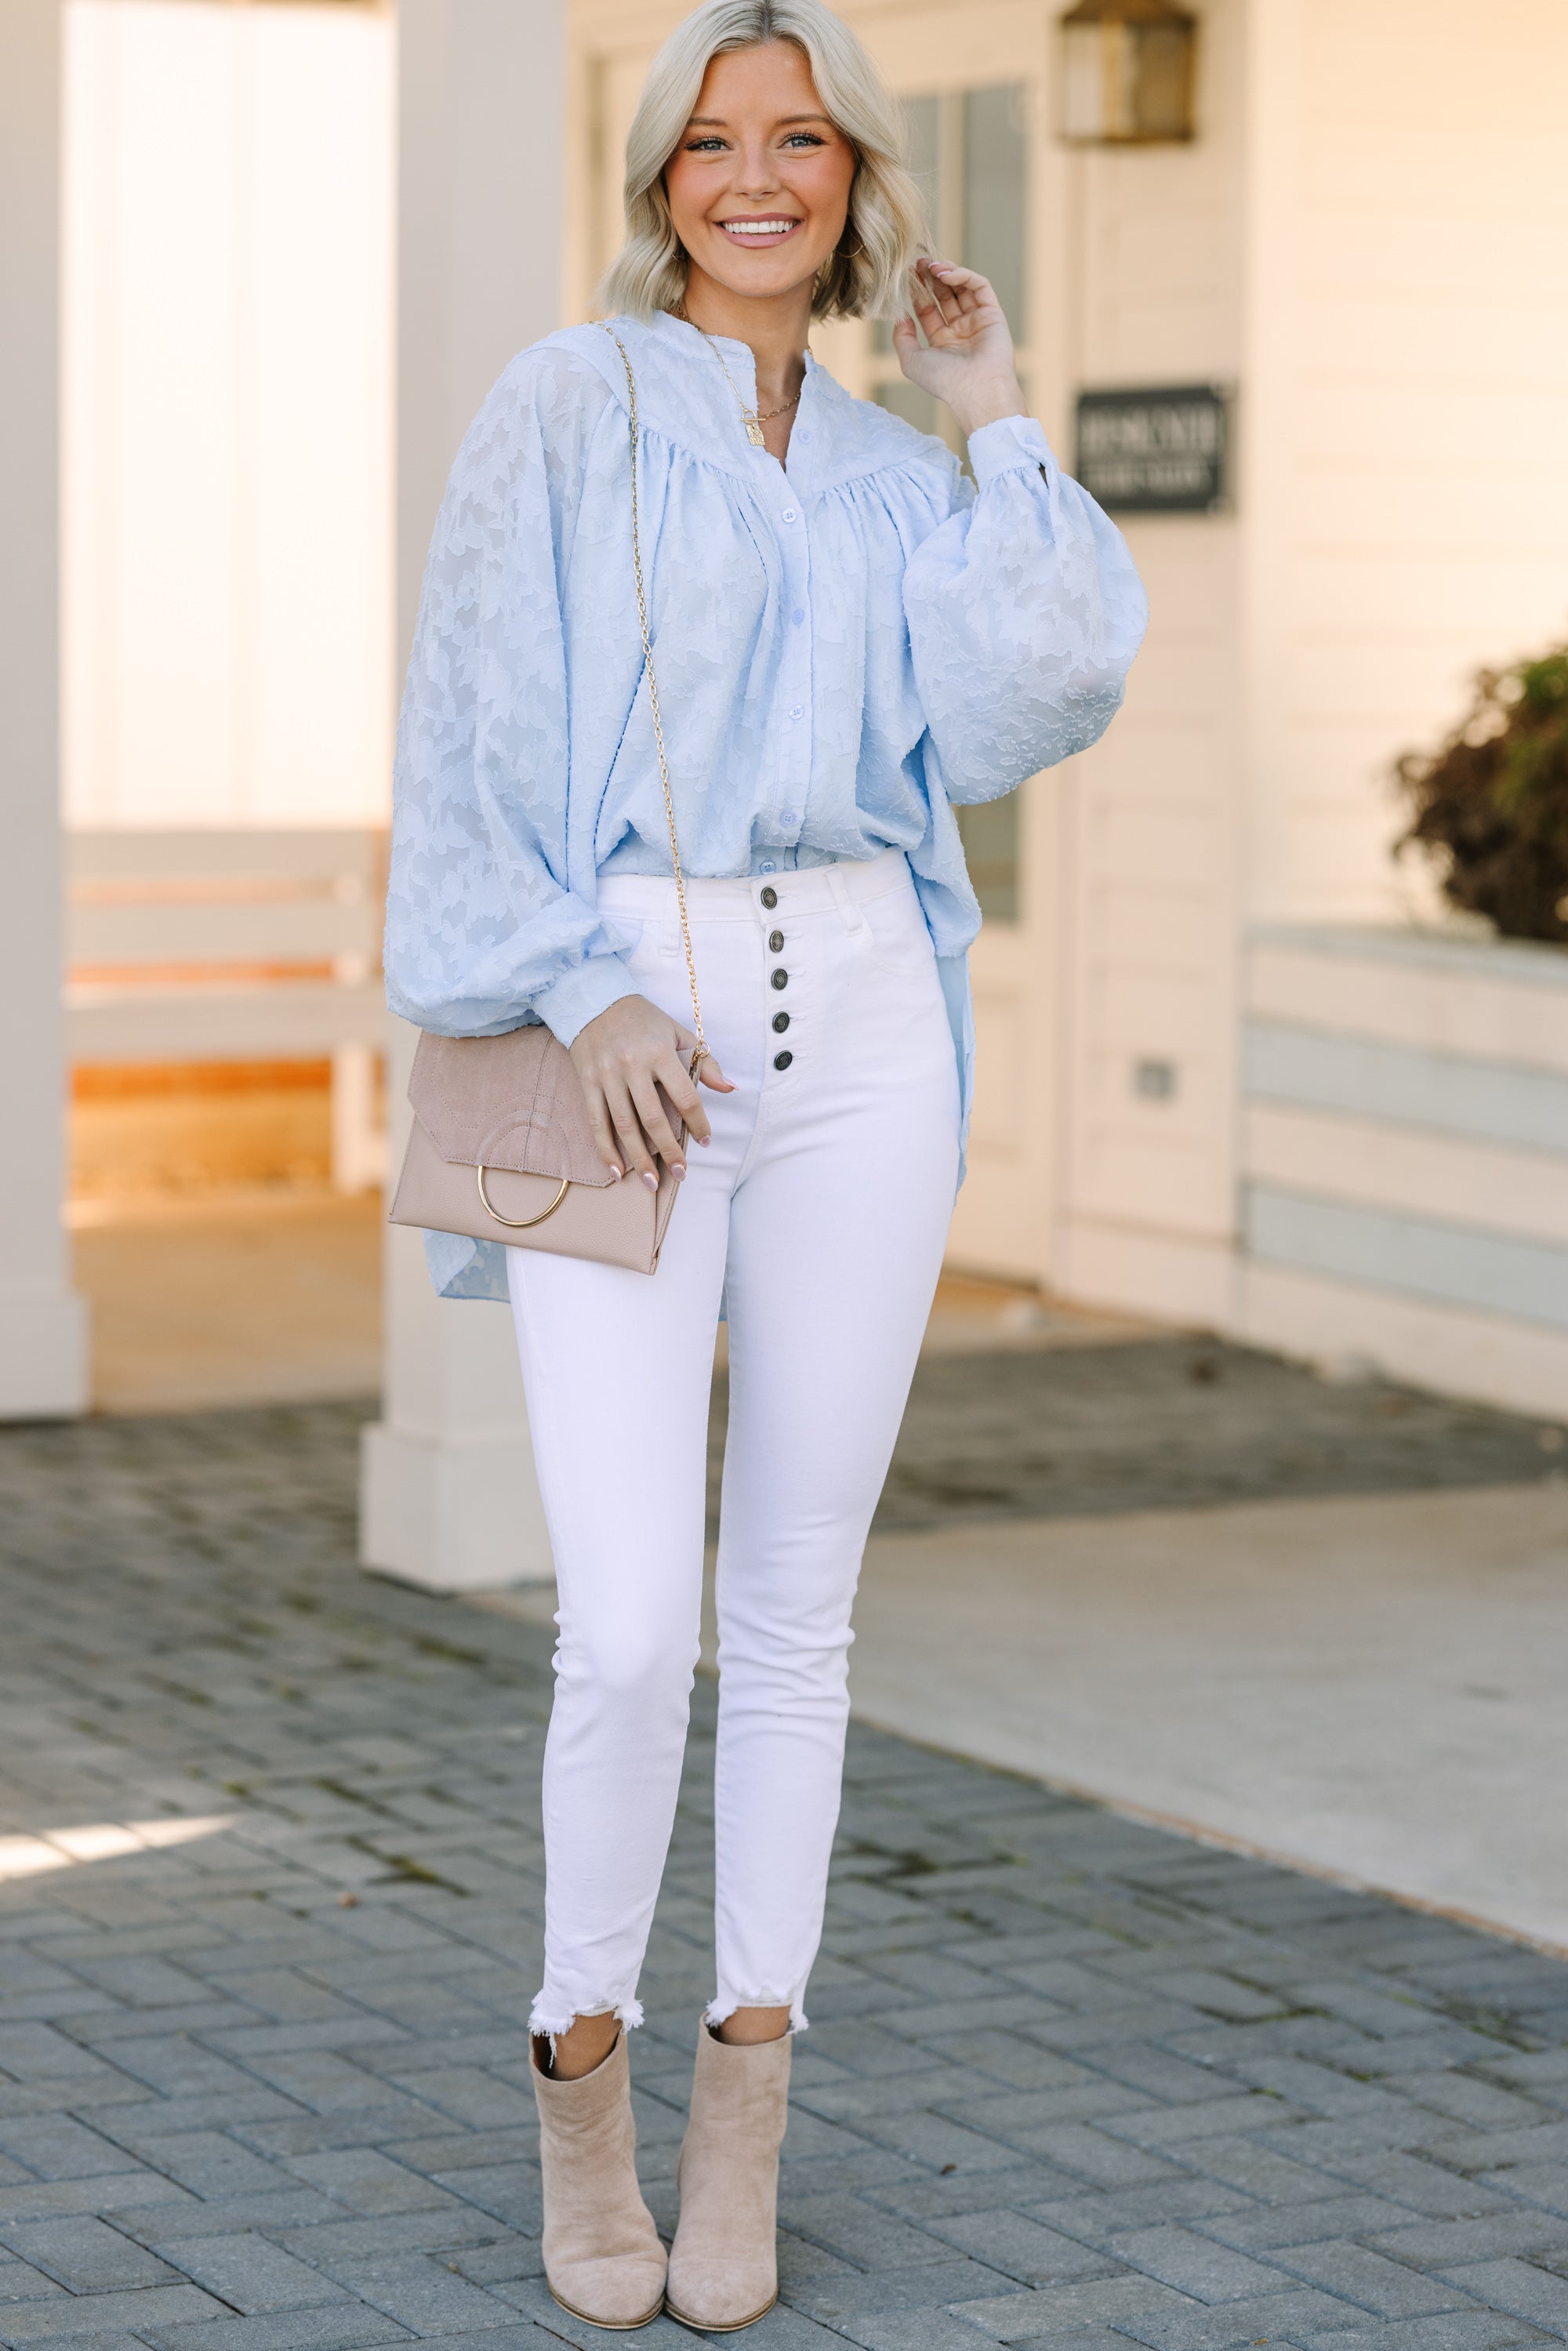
[[521, 1224]]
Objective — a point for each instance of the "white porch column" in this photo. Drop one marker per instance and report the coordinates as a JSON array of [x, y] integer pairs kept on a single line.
[[448, 1497], [42, 1325]]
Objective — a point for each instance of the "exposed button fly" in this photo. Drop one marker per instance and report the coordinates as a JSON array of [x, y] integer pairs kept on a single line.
[[776, 942], [783, 1060], [780, 1021], [769, 898], [780, 978]]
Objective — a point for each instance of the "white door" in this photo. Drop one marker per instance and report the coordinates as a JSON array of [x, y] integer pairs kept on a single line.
[[972, 82]]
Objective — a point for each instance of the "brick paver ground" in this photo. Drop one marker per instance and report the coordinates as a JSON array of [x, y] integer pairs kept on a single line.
[[1170, 1424], [1071, 2082]]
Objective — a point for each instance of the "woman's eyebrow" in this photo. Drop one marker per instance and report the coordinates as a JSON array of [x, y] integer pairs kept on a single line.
[[721, 122]]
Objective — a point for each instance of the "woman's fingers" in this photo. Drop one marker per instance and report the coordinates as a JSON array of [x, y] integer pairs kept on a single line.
[[945, 287], [962, 298], [634, 1148], [677, 1086], [941, 295], [962, 285], [603, 1138], [928, 310], [642, 1097], [708, 1071], [632, 1059], [654, 1115]]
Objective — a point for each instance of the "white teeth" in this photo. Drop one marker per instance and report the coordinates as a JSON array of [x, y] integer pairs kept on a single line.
[[757, 228]]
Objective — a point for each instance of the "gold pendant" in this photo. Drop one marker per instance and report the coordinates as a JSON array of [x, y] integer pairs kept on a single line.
[[754, 432]]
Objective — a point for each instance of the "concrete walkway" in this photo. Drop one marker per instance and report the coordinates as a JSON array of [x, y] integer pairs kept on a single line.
[[1371, 1685], [269, 1923]]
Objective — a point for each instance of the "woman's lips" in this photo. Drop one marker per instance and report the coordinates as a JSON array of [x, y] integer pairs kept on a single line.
[[767, 229]]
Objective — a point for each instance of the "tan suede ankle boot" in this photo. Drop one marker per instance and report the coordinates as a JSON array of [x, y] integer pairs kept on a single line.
[[603, 2261], [724, 2266]]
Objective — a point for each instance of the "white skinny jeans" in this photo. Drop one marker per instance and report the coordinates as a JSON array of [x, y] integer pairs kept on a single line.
[[819, 1212]]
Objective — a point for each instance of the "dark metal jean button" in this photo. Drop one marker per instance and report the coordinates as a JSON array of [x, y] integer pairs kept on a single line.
[[783, 1060], [775, 942], [781, 1021], [770, 899], [780, 979]]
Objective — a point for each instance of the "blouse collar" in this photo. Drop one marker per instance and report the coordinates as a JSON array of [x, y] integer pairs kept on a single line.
[[683, 396], [704, 359]]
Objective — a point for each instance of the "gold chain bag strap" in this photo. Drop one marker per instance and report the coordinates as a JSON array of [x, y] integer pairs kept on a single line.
[[501, 1148], [700, 1053]]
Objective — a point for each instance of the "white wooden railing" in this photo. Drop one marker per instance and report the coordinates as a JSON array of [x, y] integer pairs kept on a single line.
[[235, 946]]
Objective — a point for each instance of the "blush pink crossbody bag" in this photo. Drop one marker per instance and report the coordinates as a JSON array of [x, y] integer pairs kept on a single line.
[[501, 1148]]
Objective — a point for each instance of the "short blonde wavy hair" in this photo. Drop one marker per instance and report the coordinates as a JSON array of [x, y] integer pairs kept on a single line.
[[868, 275]]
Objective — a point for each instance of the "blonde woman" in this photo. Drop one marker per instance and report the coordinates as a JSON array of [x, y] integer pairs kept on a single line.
[[851, 637]]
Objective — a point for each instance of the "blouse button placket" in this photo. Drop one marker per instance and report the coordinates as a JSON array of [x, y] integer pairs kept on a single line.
[[792, 703]]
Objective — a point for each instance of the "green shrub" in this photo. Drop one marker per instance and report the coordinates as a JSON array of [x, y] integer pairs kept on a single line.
[[1491, 806]]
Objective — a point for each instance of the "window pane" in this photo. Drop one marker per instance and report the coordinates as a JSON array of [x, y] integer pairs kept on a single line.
[[995, 168], [908, 399], [920, 120], [990, 838], [920, 114]]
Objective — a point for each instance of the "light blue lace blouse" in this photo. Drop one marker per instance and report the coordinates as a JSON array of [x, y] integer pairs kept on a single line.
[[847, 646]]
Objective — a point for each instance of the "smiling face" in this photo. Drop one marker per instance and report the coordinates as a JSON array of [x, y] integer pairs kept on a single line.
[[759, 184]]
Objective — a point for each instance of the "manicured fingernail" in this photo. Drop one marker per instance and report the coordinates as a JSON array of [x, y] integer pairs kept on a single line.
[[616, 1174], [650, 1180], [704, 1140], [679, 1174]]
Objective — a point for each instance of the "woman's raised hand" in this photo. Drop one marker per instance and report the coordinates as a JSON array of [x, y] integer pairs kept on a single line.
[[967, 357], [635, 1064]]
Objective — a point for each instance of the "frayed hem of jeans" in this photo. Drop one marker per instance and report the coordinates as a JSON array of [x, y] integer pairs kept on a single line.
[[549, 2024], [720, 2011]]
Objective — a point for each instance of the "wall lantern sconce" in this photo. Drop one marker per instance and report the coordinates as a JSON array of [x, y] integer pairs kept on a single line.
[[1128, 68]]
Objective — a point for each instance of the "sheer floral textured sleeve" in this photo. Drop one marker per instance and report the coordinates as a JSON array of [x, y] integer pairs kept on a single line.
[[487, 919], [1024, 613]]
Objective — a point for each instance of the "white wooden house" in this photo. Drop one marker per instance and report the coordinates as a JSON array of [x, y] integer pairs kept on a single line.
[[1235, 1070], [1365, 245]]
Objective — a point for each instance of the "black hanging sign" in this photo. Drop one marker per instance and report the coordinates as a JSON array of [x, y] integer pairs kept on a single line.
[[1155, 449]]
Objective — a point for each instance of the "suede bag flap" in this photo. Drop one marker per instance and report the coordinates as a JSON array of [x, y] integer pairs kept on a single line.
[[513, 1101]]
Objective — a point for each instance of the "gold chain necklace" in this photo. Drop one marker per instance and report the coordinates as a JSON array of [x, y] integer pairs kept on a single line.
[[752, 418]]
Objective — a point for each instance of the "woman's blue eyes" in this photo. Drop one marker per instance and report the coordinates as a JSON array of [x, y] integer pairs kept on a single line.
[[796, 138]]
